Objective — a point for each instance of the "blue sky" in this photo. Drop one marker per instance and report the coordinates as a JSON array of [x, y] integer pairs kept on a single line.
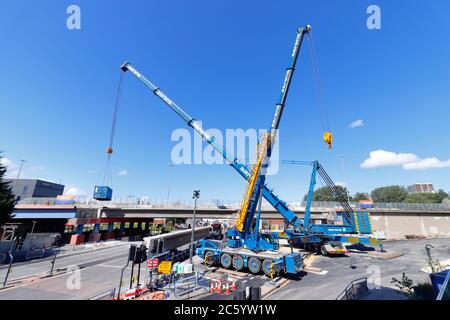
[[224, 61]]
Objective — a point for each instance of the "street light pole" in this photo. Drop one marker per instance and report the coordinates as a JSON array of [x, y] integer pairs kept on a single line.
[[18, 174], [169, 184], [195, 196], [345, 177], [32, 229]]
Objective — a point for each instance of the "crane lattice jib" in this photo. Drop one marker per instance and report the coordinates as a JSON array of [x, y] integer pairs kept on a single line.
[[261, 155]]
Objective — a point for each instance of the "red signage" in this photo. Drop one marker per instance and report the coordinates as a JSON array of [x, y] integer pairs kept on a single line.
[[152, 263]]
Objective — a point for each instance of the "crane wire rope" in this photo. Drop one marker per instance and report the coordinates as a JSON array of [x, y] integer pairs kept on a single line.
[[106, 172], [328, 138]]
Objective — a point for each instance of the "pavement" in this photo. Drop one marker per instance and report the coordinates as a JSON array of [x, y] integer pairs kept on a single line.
[[88, 274], [342, 270]]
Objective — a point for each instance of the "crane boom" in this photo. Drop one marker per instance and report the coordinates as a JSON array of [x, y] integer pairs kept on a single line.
[[257, 177], [242, 169]]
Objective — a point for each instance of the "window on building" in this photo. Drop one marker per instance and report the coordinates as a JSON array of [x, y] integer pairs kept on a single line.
[[25, 190]]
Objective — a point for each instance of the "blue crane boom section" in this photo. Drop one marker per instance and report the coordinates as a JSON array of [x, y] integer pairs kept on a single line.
[[242, 169]]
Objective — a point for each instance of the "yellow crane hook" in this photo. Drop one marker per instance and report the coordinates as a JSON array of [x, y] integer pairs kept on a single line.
[[328, 138]]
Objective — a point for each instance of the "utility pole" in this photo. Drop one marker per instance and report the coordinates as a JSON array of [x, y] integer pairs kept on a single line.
[[32, 229], [345, 177], [169, 184], [195, 196], [18, 174]]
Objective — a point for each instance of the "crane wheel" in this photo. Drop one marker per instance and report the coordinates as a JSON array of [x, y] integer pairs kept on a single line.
[[323, 250], [254, 265], [209, 258], [266, 268], [225, 260], [238, 263]]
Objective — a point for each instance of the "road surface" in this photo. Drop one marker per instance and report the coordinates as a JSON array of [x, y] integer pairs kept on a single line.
[[92, 273]]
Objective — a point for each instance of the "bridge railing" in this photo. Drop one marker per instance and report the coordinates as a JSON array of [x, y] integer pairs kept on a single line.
[[230, 205]]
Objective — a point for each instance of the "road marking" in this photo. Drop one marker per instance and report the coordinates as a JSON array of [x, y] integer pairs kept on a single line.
[[322, 273], [244, 281], [252, 278], [111, 266]]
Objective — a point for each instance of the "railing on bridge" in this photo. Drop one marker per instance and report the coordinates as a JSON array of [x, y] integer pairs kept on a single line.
[[233, 205]]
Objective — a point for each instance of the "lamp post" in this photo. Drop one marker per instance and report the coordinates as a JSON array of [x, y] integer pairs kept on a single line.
[[169, 184], [195, 196], [345, 177], [18, 174], [32, 229]]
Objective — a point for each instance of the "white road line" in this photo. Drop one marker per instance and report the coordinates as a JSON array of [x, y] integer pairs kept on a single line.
[[111, 266], [252, 278], [244, 281]]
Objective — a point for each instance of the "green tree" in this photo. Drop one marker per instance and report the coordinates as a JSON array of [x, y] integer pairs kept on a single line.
[[389, 194], [361, 196], [442, 195], [437, 197], [7, 199], [324, 194]]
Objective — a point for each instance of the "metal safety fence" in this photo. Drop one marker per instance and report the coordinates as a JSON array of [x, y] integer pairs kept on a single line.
[[354, 290]]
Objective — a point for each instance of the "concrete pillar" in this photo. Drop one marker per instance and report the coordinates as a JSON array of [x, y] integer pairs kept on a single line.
[[122, 231], [78, 237], [96, 235], [110, 233]]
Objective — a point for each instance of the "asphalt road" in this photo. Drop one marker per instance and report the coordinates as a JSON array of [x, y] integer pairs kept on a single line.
[[92, 273], [342, 270], [100, 272]]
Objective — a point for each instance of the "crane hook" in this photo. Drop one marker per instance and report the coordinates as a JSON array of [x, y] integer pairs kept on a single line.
[[328, 139]]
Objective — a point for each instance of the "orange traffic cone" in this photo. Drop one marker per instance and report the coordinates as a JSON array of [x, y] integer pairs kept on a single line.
[[212, 287], [219, 287], [233, 284], [227, 289]]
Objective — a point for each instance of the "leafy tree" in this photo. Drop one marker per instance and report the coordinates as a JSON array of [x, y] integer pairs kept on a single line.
[[389, 194], [442, 195], [324, 194], [426, 197], [361, 196], [7, 199], [406, 285]]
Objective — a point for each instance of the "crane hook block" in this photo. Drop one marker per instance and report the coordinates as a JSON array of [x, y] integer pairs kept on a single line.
[[328, 139], [109, 150]]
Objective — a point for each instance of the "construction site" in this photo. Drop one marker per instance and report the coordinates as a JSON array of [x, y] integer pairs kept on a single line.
[[324, 245]]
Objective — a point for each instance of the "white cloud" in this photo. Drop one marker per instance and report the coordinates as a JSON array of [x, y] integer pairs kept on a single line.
[[341, 183], [27, 170], [11, 168], [408, 161], [381, 158], [428, 163], [123, 172], [74, 191], [356, 124]]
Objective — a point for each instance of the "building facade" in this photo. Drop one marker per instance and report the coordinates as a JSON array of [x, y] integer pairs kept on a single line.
[[35, 188], [421, 188]]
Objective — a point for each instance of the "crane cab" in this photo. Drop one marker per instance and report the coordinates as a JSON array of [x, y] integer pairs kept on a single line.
[[102, 193]]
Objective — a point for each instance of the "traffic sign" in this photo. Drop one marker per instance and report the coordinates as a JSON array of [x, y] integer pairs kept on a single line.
[[165, 267], [152, 263]]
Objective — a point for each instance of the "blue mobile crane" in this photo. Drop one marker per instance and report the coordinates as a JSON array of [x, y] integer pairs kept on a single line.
[[329, 239], [301, 233]]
